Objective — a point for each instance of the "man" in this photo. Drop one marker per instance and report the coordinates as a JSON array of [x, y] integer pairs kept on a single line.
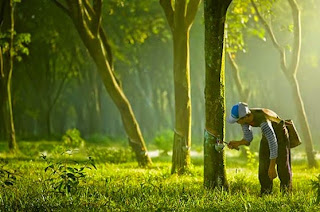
[[274, 146]]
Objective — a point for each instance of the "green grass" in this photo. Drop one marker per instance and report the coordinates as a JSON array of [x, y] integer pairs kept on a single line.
[[126, 187]]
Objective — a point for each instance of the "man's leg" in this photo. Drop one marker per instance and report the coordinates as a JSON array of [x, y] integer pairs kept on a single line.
[[284, 159], [264, 161]]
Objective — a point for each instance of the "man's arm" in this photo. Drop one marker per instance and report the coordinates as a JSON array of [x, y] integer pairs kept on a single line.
[[247, 138], [269, 133]]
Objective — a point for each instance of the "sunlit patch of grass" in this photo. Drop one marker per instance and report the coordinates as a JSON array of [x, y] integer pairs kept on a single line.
[[126, 187]]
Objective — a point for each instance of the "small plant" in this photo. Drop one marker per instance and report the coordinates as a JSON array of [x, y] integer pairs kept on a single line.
[[67, 174], [164, 141], [251, 157], [72, 139], [7, 177], [316, 186]]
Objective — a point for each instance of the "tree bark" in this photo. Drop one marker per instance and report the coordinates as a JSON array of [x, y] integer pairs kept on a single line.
[[214, 161], [180, 20], [90, 35], [182, 133]]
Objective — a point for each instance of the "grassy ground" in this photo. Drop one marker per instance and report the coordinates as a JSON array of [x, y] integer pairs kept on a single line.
[[125, 187]]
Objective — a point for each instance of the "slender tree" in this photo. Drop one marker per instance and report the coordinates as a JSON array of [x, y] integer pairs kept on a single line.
[[87, 18], [180, 15], [214, 161], [7, 29], [290, 70]]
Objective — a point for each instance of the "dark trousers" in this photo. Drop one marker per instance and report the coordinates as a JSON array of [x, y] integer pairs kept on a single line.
[[283, 160]]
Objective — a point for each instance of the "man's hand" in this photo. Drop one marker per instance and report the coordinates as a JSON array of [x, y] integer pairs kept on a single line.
[[272, 173], [234, 145]]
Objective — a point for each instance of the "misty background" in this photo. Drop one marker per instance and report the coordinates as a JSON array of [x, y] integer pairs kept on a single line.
[[57, 87]]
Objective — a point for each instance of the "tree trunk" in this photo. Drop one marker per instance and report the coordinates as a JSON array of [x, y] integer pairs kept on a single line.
[[131, 126], [136, 141], [290, 71], [12, 138], [94, 105], [4, 111], [214, 161], [302, 119], [7, 24], [87, 20], [182, 133], [180, 16]]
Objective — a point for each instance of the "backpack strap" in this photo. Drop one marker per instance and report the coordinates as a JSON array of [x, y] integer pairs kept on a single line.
[[271, 116]]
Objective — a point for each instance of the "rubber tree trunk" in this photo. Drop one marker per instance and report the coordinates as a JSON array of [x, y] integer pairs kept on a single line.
[[92, 34], [182, 133], [180, 16], [214, 161]]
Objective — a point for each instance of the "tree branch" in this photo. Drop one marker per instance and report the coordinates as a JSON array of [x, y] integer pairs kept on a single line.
[[297, 36], [62, 7], [244, 93], [272, 36], [168, 10], [97, 6], [78, 15], [107, 46], [192, 9]]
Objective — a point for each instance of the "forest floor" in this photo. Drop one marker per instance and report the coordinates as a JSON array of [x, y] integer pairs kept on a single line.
[[72, 182]]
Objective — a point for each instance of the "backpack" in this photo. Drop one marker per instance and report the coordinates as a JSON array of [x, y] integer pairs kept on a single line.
[[294, 137]]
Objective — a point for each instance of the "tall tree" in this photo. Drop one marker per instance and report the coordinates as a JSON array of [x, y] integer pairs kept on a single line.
[[7, 56], [180, 16], [290, 70], [214, 161], [87, 18]]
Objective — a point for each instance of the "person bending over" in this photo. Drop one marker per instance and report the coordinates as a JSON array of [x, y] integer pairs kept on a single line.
[[274, 148]]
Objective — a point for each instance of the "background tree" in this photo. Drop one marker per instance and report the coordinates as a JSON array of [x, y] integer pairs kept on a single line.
[[290, 69], [214, 161], [180, 16], [11, 47], [87, 20]]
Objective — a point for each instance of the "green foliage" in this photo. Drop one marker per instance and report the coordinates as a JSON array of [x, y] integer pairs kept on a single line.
[[251, 157], [316, 187], [66, 175], [7, 176], [164, 141], [240, 16], [72, 139], [20, 44]]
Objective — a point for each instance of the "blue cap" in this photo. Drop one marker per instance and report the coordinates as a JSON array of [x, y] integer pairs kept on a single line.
[[238, 111]]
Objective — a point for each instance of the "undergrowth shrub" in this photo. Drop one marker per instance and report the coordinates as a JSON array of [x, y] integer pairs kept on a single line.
[[7, 176], [66, 174], [72, 139], [251, 158], [316, 187], [111, 154], [163, 141]]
